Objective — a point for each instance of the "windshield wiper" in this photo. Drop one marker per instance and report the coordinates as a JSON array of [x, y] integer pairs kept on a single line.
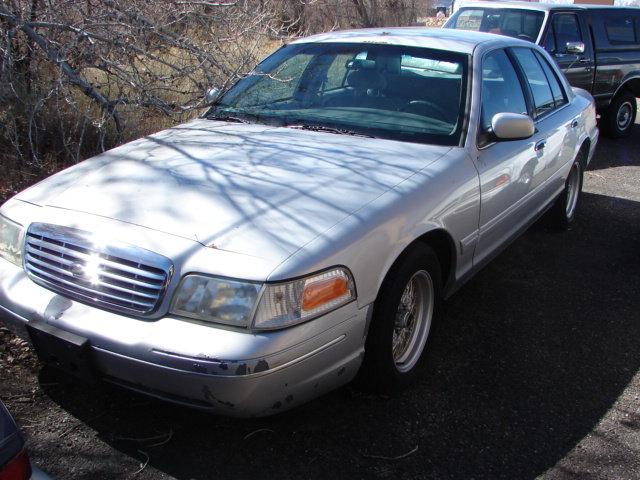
[[226, 118], [321, 128]]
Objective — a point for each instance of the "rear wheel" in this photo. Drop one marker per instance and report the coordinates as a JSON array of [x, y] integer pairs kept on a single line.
[[403, 316], [620, 116], [563, 211]]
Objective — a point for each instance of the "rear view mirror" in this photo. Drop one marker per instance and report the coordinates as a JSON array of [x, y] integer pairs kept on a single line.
[[575, 47], [512, 126]]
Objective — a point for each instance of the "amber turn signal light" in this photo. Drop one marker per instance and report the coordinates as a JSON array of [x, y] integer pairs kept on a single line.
[[323, 291]]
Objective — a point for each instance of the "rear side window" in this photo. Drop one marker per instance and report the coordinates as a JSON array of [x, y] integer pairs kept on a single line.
[[620, 30], [540, 88], [557, 89], [501, 89], [564, 28]]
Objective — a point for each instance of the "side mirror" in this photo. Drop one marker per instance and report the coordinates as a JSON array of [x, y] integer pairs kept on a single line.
[[575, 47], [512, 126], [212, 94]]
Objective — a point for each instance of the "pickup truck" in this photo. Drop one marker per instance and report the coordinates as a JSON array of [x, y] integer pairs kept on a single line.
[[597, 47]]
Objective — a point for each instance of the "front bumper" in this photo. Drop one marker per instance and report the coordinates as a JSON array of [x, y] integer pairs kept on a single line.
[[214, 368]]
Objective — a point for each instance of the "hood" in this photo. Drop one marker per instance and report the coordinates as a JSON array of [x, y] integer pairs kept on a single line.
[[253, 189]]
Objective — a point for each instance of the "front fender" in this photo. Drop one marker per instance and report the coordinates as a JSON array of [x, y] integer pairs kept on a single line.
[[444, 196]]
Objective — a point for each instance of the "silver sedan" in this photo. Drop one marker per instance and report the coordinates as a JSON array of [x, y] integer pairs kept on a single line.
[[306, 229]]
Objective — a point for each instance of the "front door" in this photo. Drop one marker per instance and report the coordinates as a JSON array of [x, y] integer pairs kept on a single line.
[[509, 170]]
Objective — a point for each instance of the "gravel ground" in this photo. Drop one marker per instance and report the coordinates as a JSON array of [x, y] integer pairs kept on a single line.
[[535, 373]]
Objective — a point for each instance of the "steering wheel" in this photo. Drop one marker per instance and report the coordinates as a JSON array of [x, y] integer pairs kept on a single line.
[[416, 105]]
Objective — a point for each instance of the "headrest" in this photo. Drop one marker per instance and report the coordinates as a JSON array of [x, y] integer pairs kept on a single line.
[[389, 64], [366, 80], [361, 64]]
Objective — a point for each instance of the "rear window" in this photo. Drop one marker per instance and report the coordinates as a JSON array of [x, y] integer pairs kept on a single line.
[[620, 30], [512, 22]]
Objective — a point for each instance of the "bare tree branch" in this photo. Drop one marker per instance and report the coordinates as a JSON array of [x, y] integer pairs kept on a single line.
[[68, 70]]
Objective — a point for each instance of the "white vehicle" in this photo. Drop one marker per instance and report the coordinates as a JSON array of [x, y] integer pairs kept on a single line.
[[306, 229]]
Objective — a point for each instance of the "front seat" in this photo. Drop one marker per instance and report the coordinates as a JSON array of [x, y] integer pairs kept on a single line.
[[365, 89]]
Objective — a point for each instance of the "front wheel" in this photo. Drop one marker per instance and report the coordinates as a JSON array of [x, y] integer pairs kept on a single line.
[[618, 120], [403, 316]]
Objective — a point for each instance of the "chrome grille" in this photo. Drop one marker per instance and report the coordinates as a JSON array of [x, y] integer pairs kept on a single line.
[[117, 276]]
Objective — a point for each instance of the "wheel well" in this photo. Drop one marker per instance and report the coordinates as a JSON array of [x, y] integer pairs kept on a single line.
[[442, 244], [632, 86], [585, 147]]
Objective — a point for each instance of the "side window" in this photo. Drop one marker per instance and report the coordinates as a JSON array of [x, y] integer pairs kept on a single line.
[[531, 24], [564, 28], [470, 20], [549, 42], [501, 89], [542, 95], [620, 30], [336, 72], [556, 87], [511, 23]]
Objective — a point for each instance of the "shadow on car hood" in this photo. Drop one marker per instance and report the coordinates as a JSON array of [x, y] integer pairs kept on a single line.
[[253, 189]]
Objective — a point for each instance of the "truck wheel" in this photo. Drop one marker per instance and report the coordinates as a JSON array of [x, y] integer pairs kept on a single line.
[[618, 120], [403, 316]]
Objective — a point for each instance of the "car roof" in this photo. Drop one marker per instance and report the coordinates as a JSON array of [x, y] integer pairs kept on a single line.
[[461, 41], [545, 7]]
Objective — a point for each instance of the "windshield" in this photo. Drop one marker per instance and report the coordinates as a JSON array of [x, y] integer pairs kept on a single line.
[[386, 91], [518, 23]]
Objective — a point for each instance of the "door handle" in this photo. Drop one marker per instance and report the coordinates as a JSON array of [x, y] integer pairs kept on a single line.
[[540, 145], [586, 62], [574, 123]]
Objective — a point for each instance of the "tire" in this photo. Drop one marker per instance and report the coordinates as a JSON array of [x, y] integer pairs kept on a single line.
[[619, 118], [383, 369], [563, 212]]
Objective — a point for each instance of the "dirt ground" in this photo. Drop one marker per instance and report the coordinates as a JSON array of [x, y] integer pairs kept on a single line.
[[535, 372]]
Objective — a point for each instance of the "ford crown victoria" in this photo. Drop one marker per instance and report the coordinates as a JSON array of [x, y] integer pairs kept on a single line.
[[306, 229]]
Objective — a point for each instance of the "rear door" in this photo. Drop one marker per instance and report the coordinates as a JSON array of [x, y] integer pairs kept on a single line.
[[564, 30], [556, 125]]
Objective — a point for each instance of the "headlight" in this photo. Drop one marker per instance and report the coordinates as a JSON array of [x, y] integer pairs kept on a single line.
[[216, 300], [11, 235], [233, 302], [285, 304]]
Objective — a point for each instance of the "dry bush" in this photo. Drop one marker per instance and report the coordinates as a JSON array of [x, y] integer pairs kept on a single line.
[[322, 15], [80, 76]]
